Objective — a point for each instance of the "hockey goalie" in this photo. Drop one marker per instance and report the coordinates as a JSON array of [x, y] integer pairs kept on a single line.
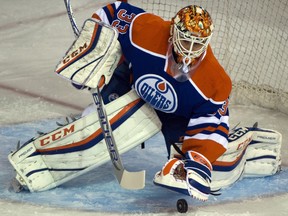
[[151, 75]]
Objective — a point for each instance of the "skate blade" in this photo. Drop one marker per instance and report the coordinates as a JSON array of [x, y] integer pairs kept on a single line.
[[16, 186]]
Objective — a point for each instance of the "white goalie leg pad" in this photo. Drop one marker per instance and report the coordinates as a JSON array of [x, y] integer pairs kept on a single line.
[[252, 152], [229, 167], [54, 158], [95, 53], [263, 155]]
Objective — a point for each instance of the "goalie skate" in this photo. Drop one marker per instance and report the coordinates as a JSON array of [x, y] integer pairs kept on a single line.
[[16, 186]]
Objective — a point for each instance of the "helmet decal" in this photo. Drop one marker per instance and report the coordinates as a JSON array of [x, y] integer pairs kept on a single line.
[[194, 20], [191, 31]]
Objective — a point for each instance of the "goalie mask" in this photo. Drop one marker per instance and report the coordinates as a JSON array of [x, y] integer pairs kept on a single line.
[[191, 31]]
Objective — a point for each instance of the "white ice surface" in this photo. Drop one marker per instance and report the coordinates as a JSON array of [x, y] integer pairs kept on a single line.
[[34, 35]]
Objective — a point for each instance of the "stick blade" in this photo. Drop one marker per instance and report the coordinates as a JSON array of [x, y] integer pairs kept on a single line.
[[131, 180]]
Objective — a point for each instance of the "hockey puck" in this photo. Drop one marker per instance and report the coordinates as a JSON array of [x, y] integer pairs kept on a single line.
[[182, 206]]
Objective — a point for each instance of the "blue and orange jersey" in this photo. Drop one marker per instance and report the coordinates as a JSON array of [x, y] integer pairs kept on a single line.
[[203, 98]]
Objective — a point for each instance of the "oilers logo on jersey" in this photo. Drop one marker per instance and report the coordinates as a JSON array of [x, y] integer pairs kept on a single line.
[[157, 92]]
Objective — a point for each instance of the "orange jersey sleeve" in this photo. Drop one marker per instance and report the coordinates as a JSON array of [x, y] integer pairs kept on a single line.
[[211, 78]]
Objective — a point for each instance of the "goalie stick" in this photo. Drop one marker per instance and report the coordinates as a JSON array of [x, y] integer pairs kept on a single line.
[[71, 17], [126, 179]]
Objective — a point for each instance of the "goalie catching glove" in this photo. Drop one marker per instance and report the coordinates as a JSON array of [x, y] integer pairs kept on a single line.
[[191, 176]]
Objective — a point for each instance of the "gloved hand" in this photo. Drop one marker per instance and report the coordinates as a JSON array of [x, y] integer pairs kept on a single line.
[[191, 176], [198, 175]]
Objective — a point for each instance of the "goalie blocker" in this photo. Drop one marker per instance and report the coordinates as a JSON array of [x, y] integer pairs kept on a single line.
[[54, 158]]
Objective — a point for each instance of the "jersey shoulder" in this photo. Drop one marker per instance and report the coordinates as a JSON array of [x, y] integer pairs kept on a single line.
[[211, 78], [121, 11], [150, 33]]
